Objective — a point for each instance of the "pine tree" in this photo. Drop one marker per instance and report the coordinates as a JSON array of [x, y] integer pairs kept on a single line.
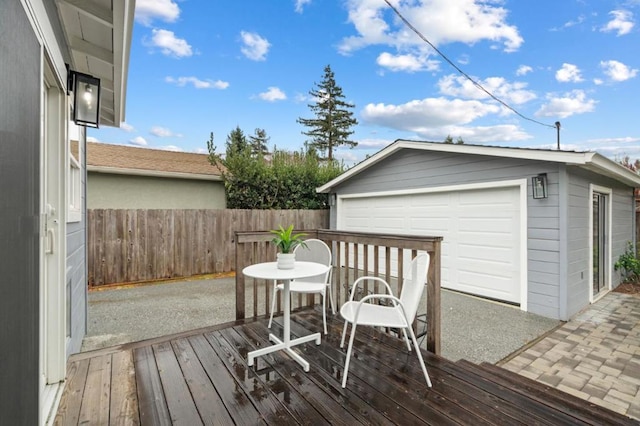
[[236, 142], [448, 139], [258, 142], [333, 120]]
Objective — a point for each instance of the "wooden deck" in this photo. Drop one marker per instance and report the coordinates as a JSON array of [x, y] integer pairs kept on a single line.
[[201, 377]]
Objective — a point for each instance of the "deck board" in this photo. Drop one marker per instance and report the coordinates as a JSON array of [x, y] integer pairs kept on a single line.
[[202, 377], [124, 402]]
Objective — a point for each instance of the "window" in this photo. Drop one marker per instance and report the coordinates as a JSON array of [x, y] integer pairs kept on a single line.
[[74, 184]]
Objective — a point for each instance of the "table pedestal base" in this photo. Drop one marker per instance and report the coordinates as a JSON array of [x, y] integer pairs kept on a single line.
[[285, 346]]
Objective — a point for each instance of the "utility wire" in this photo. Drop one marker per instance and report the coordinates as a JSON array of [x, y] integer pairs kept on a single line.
[[475, 83]]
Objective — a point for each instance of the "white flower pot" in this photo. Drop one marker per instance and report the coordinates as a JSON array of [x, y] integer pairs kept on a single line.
[[286, 260]]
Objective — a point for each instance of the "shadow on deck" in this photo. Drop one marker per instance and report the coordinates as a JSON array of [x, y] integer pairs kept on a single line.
[[201, 377]]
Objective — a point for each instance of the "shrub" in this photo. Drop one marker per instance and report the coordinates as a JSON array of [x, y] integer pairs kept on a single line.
[[629, 265]]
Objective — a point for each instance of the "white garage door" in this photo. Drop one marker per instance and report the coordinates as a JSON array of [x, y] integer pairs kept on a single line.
[[481, 229]]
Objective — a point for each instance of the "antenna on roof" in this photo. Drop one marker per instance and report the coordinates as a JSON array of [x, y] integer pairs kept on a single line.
[[558, 128]]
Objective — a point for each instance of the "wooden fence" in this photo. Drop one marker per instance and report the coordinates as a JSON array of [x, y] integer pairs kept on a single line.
[[126, 246], [354, 254]]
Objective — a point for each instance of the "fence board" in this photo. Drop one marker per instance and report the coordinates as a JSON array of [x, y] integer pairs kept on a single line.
[[127, 246]]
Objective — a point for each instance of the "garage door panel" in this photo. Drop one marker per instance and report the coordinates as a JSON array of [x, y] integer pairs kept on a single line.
[[388, 223], [481, 231], [486, 256]]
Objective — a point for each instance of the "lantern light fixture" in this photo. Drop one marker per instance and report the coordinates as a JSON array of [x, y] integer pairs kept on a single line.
[[86, 98], [540, 186]]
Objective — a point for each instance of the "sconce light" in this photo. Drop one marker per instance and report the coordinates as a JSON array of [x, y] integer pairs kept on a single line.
[[86, 98], [539, 185]]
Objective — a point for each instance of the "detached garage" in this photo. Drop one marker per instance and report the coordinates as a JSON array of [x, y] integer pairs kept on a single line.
[[551, 255]]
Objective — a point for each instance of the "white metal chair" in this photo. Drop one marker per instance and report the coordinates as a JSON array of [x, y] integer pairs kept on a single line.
[[398, 313], [315, 251]]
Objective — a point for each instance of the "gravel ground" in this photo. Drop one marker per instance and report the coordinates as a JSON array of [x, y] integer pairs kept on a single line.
[[472, 328]]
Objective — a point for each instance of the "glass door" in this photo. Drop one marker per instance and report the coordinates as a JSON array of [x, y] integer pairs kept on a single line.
[[599, 242]]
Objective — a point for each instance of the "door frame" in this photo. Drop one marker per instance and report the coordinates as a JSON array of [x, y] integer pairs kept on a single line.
[[608, 193]]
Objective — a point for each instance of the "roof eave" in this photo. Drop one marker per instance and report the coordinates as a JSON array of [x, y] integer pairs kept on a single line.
[[589, 160], [153, 173]]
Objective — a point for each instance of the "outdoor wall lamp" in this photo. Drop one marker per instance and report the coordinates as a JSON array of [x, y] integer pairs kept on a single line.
[[539, 185], [86, 98]]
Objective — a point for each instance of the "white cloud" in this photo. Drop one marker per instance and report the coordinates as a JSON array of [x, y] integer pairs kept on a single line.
[[569, 73], [478, 134], [126, 127], [171, 148], [197, 83], [92, 139], [138, 140], [578, 21], [459, 86], [301, 97], [300, 4], [272, 94], [622, 22], [597, 81], [201, 151], [169, 44], [163, 132], [444, 21], [376, 144], [524, 70], [617, 71], [254, 47], [408, 62], [574, 102], [148, 10], [420, 115]]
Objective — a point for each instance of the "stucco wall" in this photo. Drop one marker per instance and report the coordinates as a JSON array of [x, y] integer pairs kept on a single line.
[[114, 191]]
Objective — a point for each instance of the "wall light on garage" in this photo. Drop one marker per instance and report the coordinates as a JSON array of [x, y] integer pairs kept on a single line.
[[539, 185]]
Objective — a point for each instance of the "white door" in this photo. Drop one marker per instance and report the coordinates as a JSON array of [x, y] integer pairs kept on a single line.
[[52, 227], [484, 238]]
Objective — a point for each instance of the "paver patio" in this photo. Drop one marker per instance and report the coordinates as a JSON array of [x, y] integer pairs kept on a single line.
[[595, 356]]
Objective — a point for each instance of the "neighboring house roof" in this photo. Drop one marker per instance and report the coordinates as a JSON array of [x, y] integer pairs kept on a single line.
[[99, 38], [127, 160], [588, 160]]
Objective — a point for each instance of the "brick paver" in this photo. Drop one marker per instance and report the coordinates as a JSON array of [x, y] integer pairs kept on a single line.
[[595, 356]]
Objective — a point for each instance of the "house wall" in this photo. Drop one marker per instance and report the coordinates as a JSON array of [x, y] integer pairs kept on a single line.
[[578, 232], [115, 191], [20, 81], [76, 265]]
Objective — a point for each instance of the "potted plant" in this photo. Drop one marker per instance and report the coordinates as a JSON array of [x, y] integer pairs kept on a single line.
[[286, 241]]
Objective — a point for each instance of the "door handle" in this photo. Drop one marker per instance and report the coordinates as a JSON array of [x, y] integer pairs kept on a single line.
[[51, 241]]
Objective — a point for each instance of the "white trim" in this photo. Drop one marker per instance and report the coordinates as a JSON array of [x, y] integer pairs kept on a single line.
[[609, 225], [448, 188], [590, 160], [520, 183], [153, 173]]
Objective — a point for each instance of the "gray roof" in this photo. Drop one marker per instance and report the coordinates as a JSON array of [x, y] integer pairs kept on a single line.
[[589, 160]]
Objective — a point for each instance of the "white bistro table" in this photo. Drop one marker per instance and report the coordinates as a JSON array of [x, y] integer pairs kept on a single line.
[[270, 271]]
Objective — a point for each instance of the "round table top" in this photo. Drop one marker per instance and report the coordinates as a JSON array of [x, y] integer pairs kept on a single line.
[[270, 271]]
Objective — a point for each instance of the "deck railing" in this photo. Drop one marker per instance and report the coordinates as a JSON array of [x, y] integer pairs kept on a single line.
[[355, 254]]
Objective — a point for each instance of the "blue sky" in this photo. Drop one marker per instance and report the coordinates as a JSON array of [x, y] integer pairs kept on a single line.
[[201, 66]]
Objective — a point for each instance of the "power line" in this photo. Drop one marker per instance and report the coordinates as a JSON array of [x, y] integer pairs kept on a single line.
[[475, 83]]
